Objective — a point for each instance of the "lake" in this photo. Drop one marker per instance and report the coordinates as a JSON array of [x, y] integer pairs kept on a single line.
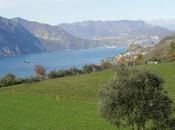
[[55, 60]]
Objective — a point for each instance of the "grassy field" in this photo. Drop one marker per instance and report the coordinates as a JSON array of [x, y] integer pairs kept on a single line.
[[68, 103]]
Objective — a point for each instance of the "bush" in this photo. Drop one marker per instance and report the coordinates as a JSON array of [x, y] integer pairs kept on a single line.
[[8, 80], [75, 71], [56, 74], [91, 68], [106, 64], [32, 79], [135, 97], [98, 67], [60, 73], [63, 73], [52, 74], [87, 69]]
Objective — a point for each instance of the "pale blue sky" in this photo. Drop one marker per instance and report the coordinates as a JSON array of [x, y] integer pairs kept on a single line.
[[58, 11]]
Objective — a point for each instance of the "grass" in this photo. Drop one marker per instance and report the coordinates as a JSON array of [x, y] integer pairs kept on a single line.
[[68, 103], [19, 112], [74, 87], [167, 72]]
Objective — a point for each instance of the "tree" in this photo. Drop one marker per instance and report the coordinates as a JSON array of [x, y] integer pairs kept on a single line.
[[8, 79], [106, 64], [40, 70], [87, 69], [134, 97], [52, 74], [139, 58]]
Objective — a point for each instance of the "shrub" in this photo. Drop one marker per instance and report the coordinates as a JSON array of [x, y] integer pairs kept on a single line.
[[62, 73], [106, 64], [32, 79], [87, 69], [97, 67], [92, 68], [75, 71], [8, 80], [134, 98], [52, 74], [139, 59], [57, 74]]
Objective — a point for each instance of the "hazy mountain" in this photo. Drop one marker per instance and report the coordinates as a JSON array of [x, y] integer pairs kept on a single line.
[[15, 39], [117, 33], [53, 37], [169, 24]]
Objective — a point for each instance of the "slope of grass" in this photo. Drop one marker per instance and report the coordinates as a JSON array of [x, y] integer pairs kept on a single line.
[[74, 87], [167, 72], [68, 103], [19, 112]]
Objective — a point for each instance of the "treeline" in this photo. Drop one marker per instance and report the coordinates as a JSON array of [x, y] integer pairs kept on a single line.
[[41, 74]]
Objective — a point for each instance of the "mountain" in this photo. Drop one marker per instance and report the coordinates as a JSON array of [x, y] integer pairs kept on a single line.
[[163, 51], [169, 24], [20, 36], [53, 37], [117, 33], [16, 40]]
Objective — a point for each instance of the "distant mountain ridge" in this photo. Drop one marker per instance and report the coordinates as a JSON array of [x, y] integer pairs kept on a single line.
[[94, 29], [166, 23], [53, 37], [118, 33], [19, 36], [16, 40]]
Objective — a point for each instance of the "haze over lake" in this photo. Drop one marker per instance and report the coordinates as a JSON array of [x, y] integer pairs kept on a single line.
[[55, 60]]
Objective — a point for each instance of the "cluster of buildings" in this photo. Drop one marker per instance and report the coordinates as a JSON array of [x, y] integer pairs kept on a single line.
[[129, 57], [134, 56]]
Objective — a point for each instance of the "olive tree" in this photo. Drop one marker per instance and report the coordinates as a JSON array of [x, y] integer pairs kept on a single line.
[[134, 97]]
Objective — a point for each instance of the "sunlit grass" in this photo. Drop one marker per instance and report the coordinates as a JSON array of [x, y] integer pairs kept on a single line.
[[68, 103]]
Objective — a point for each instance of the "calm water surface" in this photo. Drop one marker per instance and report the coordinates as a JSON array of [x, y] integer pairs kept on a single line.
[[55, 60]]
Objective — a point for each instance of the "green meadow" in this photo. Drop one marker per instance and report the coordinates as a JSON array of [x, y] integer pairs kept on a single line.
[[68, 103]]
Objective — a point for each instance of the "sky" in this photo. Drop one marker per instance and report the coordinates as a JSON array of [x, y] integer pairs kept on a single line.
[[67, 11]]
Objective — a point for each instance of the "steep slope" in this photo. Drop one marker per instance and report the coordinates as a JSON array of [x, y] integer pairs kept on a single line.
[[53, 37], [164, 51], [117, 33], [15, 39]]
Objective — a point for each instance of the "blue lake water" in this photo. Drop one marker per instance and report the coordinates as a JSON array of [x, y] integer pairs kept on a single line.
[[55, 60]]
